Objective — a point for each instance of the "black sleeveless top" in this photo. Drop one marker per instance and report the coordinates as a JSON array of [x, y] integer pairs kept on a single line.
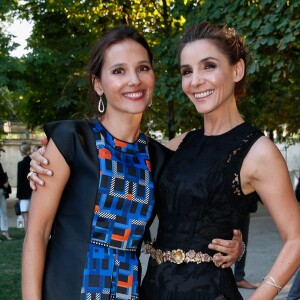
[[200, 198]]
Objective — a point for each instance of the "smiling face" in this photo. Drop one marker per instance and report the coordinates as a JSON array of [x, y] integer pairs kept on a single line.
[[126, 79], [207, 77]]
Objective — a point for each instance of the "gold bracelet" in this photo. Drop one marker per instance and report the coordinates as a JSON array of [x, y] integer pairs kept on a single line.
[[272, 282]]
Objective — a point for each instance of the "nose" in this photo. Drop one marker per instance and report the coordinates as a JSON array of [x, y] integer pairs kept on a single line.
[[197, 79], [134, 79]]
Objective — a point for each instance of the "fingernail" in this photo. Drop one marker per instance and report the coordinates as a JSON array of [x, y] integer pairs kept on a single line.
[[41, 183], [49, 173], [210, 246], [45, 162]]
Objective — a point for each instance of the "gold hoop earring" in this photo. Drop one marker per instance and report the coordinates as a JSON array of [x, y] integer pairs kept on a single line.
[[101, 107]]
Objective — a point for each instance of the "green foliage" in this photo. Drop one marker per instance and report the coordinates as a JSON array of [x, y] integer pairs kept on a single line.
[[50, 82], [5, 103], [9, 67], [10, 265], [271, 30]]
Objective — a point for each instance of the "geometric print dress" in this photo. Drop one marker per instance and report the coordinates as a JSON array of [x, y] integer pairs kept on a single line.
[[123, 207]]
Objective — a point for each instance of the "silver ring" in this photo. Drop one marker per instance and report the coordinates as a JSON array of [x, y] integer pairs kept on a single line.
[[29, 174]]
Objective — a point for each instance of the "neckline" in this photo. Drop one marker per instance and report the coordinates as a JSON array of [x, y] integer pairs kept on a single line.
[[109, 140], [232, 130]]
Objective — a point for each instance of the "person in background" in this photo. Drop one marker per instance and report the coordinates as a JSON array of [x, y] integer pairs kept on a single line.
[[297, 191], [3, 204], [23, 187], [102, 219], [239, 266], [294, 293], [36, 147]]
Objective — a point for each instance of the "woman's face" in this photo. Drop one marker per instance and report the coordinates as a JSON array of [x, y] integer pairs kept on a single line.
[[207, 77], [127, 79]]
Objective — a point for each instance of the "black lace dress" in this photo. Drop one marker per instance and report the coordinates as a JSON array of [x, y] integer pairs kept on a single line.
[[200, 199]]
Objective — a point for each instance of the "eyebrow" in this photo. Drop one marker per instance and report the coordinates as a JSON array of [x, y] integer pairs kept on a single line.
[[124, 64], [201, 61]]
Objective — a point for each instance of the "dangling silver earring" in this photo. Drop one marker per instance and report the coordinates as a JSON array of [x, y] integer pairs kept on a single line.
[[101, 106], [149, 105]]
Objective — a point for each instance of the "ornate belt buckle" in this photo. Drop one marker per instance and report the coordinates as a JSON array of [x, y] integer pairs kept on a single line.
[[159, 256], [178, 256], [217, 263]]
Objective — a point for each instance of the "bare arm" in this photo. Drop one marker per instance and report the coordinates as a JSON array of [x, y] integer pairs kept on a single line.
[[43, 207], [264, 170]]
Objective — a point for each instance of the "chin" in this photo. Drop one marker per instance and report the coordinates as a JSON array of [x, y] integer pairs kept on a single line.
[[139, 108], [136, 111], [200, 110]]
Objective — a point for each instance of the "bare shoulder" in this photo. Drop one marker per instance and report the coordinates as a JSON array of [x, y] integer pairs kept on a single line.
[[175, 142], [264, 162], [264, 149]]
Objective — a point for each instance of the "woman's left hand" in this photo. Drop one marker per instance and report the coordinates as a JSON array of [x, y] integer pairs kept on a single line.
[[233, 249]]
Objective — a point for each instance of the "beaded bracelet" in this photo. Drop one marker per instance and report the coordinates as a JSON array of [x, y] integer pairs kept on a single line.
[[244, 249], [273, 283]]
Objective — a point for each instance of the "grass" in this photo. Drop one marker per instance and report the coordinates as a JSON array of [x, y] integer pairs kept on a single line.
[[10, 265]]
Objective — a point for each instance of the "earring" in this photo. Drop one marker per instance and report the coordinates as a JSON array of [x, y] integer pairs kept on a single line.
[[101, 106], [149, 105]]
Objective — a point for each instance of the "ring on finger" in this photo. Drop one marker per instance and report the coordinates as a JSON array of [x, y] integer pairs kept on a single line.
[[29, 174]]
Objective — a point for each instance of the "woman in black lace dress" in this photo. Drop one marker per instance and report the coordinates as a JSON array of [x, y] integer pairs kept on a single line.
[[214, 176]]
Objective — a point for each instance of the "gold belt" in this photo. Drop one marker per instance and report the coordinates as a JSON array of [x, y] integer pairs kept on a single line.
[[179, 256]]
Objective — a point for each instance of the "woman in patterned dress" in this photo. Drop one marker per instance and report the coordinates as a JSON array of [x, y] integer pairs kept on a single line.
[[97, 205]]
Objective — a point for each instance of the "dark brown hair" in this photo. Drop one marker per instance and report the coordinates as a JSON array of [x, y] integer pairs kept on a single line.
[[225, 39], [110, 37]]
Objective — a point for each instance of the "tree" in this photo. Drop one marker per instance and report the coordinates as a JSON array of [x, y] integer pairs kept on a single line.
[[55, 86], [9, 67]]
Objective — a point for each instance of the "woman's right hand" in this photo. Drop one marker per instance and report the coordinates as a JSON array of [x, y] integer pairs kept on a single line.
[[38, 161]]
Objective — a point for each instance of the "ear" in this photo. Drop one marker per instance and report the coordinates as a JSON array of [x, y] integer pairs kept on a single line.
[[239, 70], [97, 86]]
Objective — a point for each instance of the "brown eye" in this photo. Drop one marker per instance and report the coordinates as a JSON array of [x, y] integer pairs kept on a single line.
[[143, 68], [118, 71], [186, 72], [210, 66]]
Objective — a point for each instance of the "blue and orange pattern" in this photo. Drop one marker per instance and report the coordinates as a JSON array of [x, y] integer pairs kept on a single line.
[[123, 208]]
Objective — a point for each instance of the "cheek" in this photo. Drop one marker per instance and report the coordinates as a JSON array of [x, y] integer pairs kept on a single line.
[[152, 82], [114, 83], [220, 78], [184, 85], [149, 80]]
